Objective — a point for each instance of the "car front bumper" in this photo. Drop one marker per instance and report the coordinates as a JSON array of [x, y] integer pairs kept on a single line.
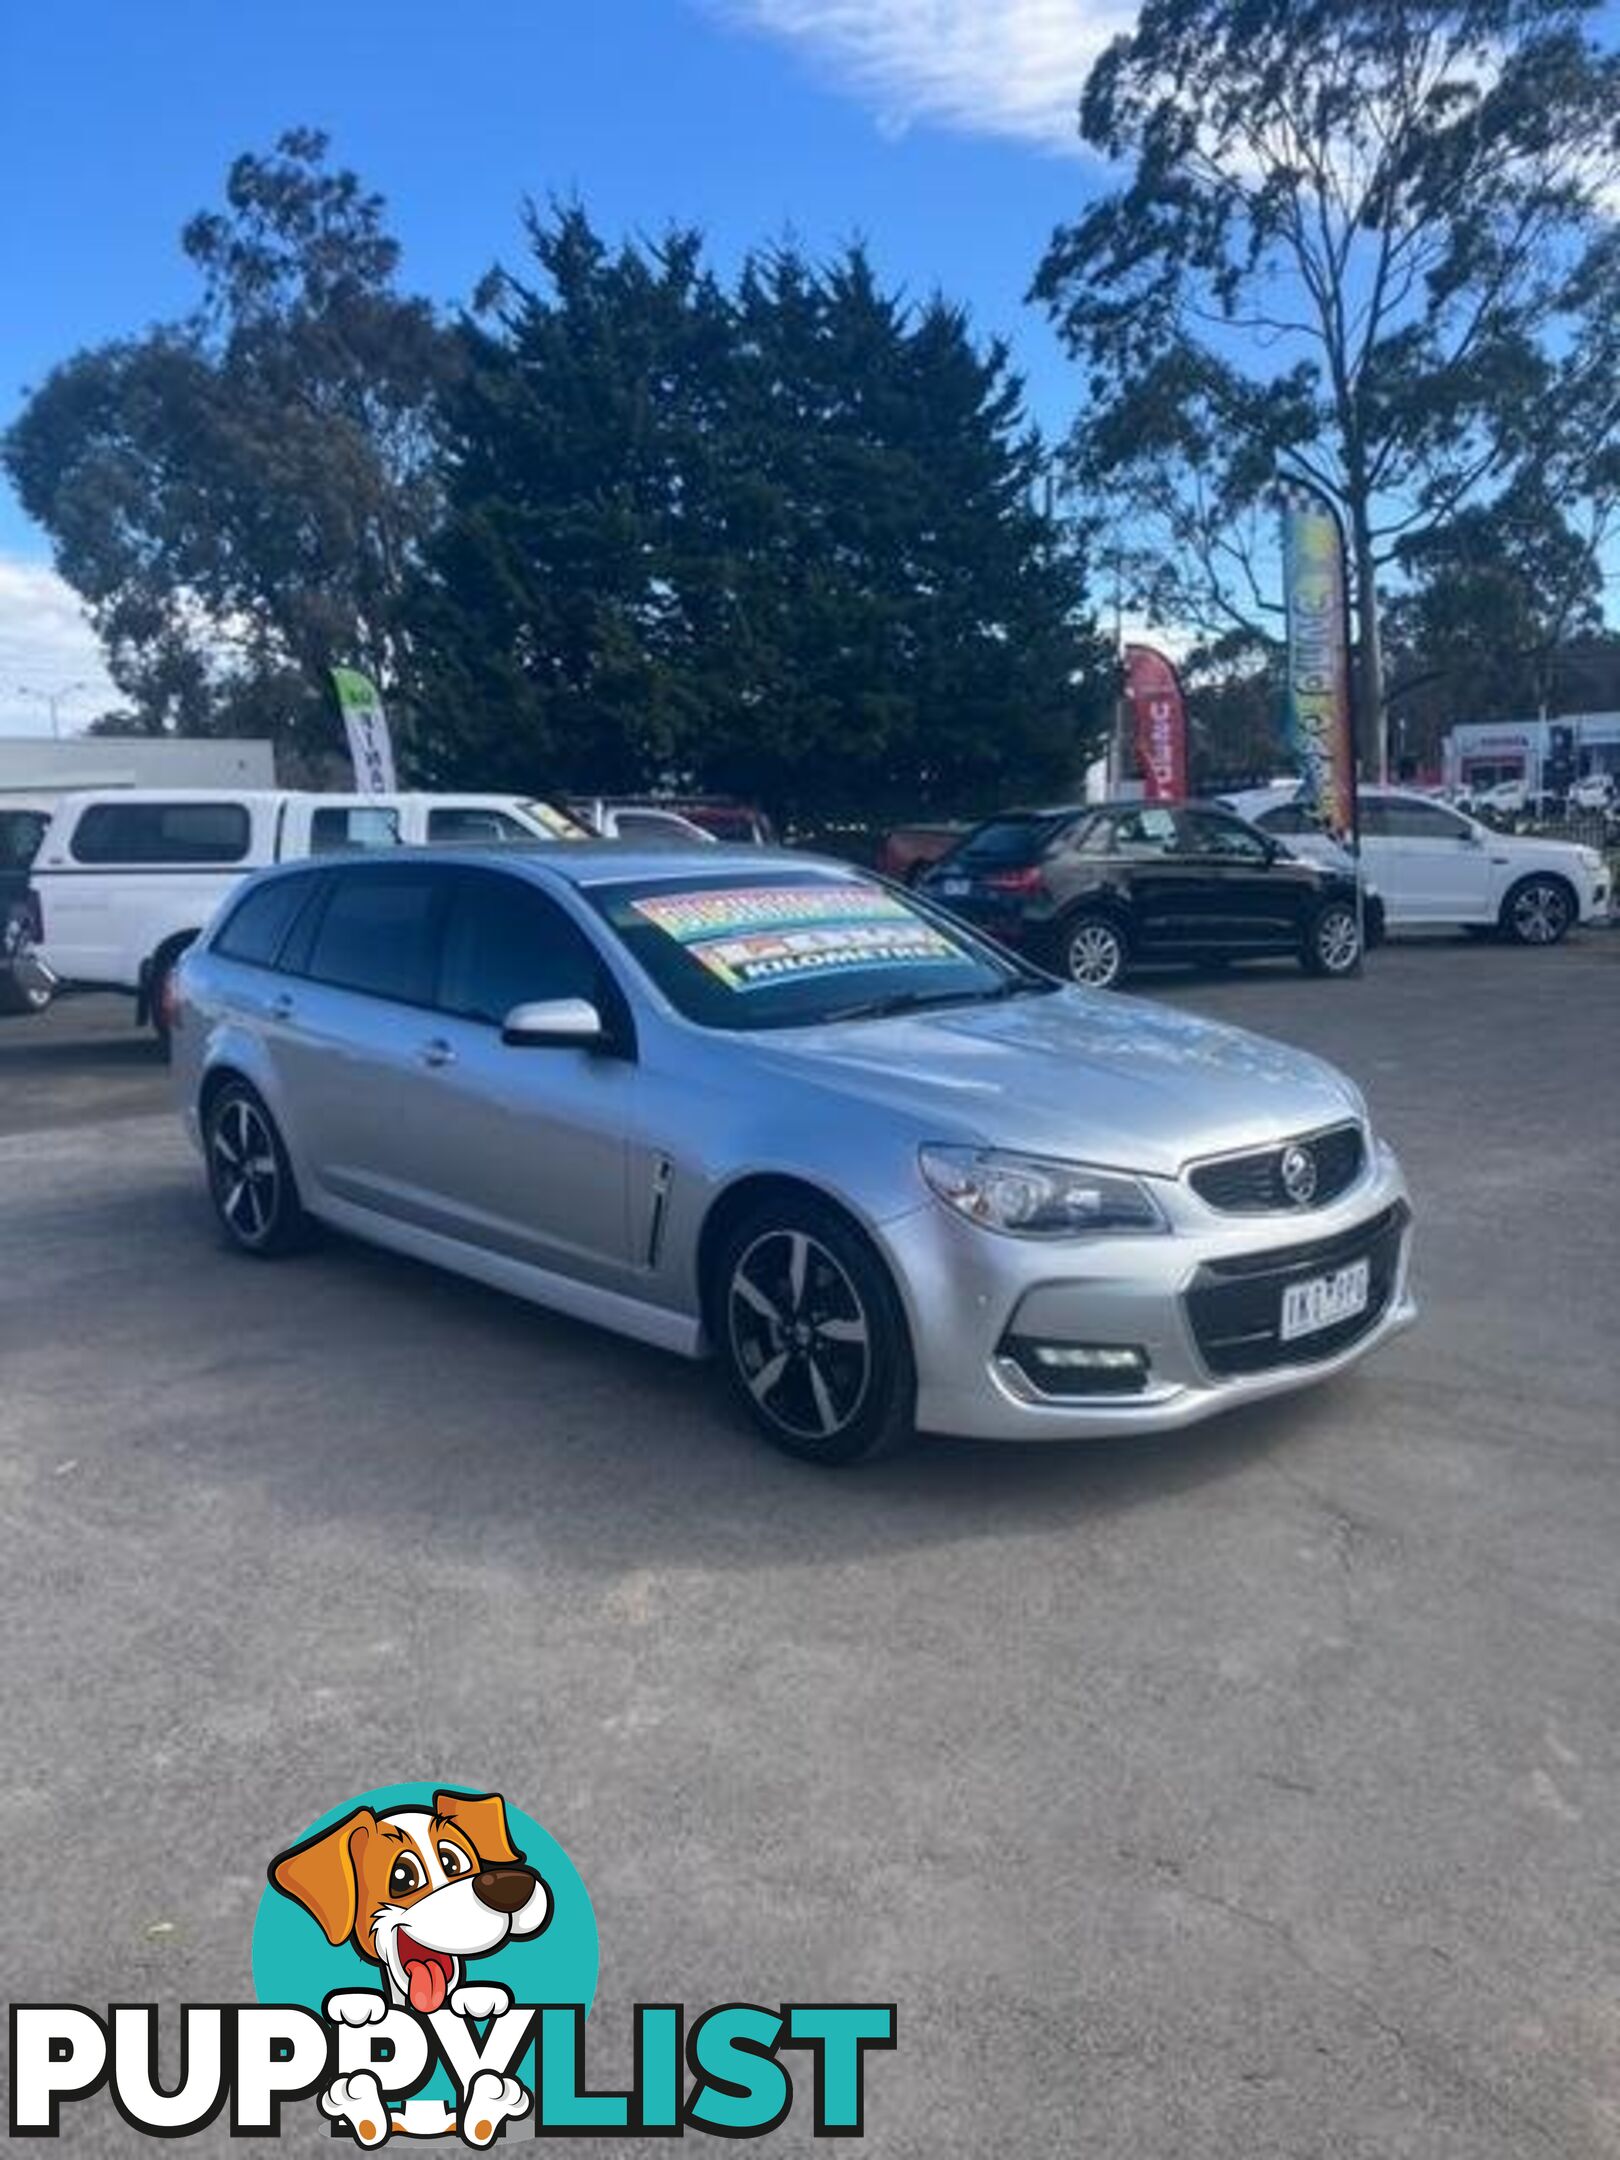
[[972, 1293]]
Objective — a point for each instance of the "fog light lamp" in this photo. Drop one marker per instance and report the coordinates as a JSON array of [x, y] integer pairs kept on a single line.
[[1089, 1357], [1073, 1369]]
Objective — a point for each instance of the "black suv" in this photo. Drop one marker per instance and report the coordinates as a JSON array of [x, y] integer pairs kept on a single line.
[[1089, 891]]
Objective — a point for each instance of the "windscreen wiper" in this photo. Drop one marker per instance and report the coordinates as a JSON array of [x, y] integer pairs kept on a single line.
[[904, 1001]]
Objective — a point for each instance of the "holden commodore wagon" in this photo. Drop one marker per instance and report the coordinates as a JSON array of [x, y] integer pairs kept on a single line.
[[770, 1109]]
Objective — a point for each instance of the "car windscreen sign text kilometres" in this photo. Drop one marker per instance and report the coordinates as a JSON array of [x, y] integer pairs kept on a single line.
[[753, 936]]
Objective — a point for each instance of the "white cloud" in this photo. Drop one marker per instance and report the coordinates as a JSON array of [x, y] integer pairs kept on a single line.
[[47, 649], [1012, 68]]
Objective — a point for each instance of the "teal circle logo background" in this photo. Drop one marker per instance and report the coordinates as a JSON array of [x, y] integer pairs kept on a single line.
[[294, 1963]]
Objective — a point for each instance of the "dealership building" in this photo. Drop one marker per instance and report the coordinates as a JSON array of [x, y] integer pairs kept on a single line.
[[1545, 754]]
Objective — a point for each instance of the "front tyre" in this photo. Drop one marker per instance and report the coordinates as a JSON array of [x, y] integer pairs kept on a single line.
[[1092, 950], [811, 1334], [1332, 940], [250, 1180], [1538, 911]]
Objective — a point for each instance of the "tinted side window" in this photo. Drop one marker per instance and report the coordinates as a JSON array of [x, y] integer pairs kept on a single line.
[[255, 928], [506, 944], [1373, 815], [151, 832], [332, 830], [1408, 820], [380, 933]]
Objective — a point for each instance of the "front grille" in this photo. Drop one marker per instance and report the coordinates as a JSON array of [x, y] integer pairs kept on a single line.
[[1253, 1184], [1235, 1306]]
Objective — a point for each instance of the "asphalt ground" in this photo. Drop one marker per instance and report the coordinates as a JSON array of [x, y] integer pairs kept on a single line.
[[1253, 1792]]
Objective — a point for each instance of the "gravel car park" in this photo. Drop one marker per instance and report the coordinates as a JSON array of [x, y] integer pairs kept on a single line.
[[1258, 1781]]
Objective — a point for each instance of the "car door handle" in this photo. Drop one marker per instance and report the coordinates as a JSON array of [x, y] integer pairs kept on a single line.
[[281, 1007], [436, 1053]]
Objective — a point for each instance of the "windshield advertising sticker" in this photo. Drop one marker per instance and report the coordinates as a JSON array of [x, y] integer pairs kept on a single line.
[[424, 1960], [758, 935]]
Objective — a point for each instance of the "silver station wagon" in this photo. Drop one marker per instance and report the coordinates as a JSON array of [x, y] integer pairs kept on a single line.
[[767, 1107]]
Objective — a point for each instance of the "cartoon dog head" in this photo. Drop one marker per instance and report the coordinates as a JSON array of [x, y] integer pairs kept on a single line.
[[418, 1890]]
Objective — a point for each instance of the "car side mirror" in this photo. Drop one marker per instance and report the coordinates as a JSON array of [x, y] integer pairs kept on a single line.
[[570, 1023]]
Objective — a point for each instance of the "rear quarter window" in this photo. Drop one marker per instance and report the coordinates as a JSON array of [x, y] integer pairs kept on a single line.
[[256, 928], [147, 833]]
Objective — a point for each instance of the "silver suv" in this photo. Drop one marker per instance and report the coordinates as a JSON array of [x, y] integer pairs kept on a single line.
[[767, 1107]]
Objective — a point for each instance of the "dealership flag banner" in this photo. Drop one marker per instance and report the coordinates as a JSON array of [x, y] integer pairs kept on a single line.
[[366, 725], [1159, 713], [1320, 723]]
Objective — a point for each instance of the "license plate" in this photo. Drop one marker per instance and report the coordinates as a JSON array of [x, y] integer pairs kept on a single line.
[[1324, 1301], [956, 888]]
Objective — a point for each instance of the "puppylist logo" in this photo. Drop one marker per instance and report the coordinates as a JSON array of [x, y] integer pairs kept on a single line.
[[424, 1960]]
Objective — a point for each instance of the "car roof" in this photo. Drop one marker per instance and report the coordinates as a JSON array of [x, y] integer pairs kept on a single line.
[[592, 862]]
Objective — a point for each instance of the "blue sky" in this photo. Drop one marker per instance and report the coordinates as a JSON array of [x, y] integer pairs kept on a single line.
[[939, 129]]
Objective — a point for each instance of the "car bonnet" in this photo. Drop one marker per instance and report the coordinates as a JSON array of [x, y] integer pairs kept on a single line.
[[1098, 1078]]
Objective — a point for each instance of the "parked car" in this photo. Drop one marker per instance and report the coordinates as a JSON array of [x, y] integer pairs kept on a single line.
[[1278, 811], [25, 987], [737, 824], [1503, 799], [1435, 866], [647, 824], [769, 1108], [1594, 791], [906, 852], [125, 878], [1092, 892]]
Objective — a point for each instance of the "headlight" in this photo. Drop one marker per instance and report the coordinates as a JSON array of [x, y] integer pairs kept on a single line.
[[1033, 1196], [1591, 859]]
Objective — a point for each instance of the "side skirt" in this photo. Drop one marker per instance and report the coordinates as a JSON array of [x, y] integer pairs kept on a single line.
[[680, 1333]]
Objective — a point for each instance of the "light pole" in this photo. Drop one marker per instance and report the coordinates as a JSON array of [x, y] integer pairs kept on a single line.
[[52, 699]]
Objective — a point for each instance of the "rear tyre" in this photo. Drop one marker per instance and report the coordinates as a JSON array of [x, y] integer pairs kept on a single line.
[[1538, 911], [811, 1334], [250, 1180], [1333, 941], [1092, 950]]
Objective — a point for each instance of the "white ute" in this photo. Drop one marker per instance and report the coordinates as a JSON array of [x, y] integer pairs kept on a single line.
[[125, 878]]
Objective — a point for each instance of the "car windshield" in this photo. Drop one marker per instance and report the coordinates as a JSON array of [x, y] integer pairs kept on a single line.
[[793, 948]]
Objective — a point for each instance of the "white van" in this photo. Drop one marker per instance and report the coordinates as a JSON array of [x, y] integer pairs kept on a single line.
[[125, 878]]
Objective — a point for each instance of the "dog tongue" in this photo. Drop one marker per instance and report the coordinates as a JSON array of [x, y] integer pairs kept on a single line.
[[426, 1979]]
